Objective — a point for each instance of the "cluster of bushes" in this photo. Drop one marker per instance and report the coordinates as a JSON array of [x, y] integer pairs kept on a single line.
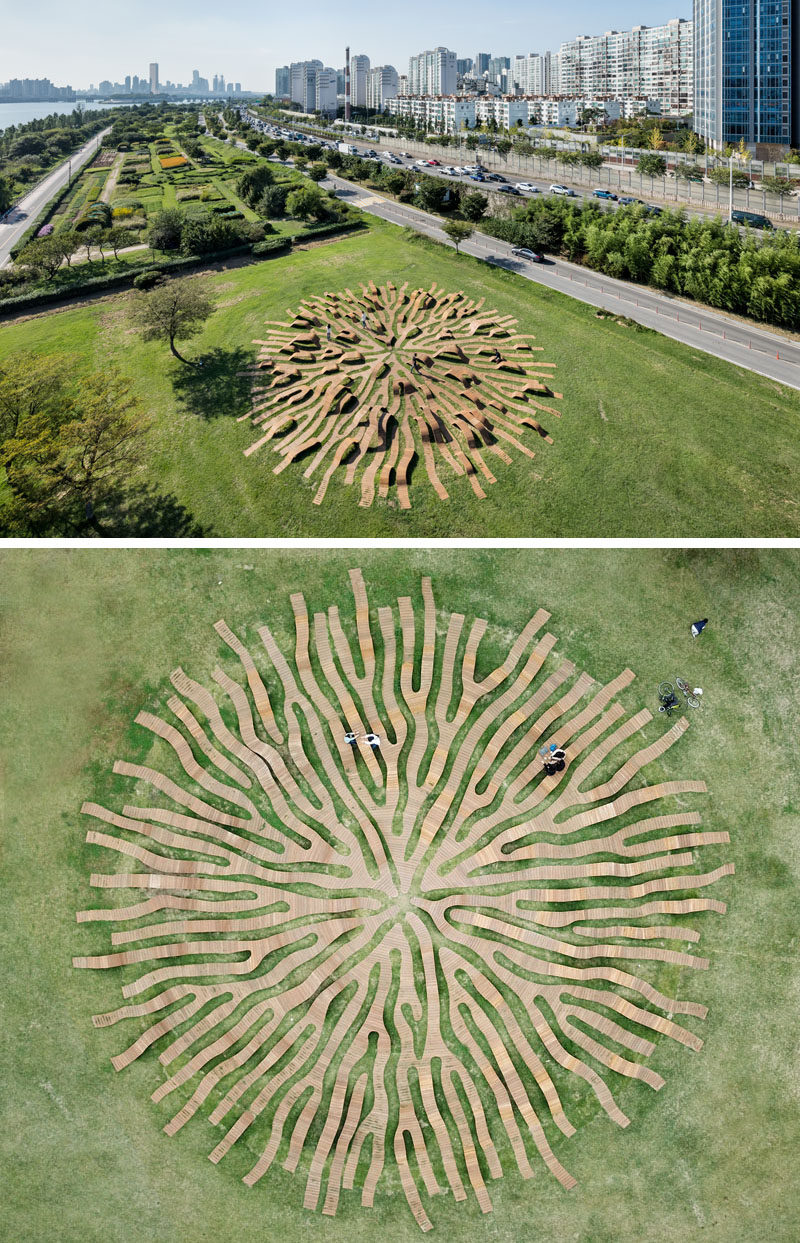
[[700, 259]]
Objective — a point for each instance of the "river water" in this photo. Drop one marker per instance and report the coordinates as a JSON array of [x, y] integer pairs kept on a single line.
[[19, 114]]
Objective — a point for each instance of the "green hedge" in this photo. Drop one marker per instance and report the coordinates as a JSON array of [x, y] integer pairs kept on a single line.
[[119, 280], [272, 246], [328, 230]]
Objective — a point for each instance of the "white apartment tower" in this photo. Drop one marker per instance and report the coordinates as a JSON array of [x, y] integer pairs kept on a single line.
[[536, 74], [325, 92], [154, 87], [359, 69], [433, 73], [383, 84], [651, 62], [298, 88]]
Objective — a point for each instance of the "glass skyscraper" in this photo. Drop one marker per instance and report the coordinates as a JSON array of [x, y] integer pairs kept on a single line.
[[745, 73]]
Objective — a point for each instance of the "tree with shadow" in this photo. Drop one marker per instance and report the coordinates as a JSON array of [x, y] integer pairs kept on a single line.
[[177, 308]]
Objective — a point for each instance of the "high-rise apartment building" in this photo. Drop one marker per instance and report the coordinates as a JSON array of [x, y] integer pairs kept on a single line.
[[535, 74], [464, 66], [747, 72], [282, 82], [481, 63], [325, 92], [650, 62], [154, 78], [359, 69], [300, 86], [382, 85], [433, 73]]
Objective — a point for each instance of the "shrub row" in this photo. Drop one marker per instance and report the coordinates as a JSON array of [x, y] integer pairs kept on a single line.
[[144, 276]]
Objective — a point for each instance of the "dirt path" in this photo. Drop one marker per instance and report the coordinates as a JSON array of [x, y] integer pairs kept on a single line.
[[111, 179]]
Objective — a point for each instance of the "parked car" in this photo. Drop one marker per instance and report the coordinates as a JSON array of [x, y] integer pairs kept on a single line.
[[565, 190], [527, 187], [604, 194], [522, 252]]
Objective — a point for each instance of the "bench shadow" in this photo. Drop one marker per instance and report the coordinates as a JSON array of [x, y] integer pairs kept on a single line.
[[215, 387]]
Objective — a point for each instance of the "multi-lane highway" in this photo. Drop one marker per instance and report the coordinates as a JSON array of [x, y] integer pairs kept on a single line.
[[757, 349], [19, 217], [752, 347]]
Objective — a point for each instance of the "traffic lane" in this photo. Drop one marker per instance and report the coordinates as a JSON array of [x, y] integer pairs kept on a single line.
[[29, 206], [754, 350]]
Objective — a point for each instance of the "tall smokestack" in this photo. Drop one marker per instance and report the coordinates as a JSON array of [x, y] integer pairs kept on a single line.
[[347, 84]]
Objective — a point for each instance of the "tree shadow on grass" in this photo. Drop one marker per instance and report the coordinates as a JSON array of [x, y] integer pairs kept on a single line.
[[145, 512], [217, 389]]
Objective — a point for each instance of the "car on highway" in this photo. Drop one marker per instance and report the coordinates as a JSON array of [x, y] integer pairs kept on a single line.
[[522, 252], [451, 172], [505, 189], [495, 177], [477, 177], [434, 162], [626, 200], [527, 187], [564, 190], [604, 194], [406, 155], [754, 219], [421, 163]]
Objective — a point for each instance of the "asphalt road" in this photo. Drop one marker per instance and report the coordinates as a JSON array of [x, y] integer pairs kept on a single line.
[[754, 348], [19, 217], [494, 163]]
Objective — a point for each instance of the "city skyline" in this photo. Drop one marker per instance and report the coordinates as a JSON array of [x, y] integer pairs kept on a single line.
[[251, 48]]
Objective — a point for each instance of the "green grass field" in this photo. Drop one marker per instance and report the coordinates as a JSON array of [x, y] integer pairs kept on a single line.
[[710, 1156], [655, 439]]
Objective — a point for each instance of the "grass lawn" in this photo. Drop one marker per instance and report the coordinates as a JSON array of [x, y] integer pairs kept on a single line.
[[655, 439], [709, 1156]]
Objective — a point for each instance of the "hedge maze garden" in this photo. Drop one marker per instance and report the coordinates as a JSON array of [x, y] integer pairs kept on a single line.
[[370, 935]]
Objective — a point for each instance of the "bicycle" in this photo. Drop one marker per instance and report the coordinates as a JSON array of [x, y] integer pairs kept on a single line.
[[668, 701], [683, 686]]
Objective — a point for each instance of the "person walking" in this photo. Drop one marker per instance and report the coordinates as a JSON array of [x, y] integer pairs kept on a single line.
[[373, 740], [328, 332], [350, 738], [363, 319]]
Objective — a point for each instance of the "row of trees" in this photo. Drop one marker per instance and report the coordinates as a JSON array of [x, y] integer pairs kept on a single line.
[[700, 259]]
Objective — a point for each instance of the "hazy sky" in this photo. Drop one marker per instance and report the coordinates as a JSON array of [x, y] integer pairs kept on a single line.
[[77, 43]]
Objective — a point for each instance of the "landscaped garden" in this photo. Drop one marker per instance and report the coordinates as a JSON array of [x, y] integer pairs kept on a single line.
[[653, 439], [545, 993], [161, 187]]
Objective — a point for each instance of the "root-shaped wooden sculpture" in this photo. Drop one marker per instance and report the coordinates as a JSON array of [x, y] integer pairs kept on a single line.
[[385, 964], [407, 357]]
